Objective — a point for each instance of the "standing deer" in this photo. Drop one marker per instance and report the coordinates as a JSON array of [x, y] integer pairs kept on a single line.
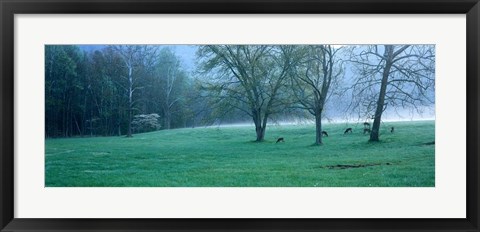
[[366, 130], [366, 125]]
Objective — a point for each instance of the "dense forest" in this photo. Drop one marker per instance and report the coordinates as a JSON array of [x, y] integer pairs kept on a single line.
[[119, 90], [99, 92]]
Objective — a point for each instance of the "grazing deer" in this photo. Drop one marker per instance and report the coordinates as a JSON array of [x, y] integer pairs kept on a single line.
[[348, 130], [324, 133], [392, 129], [280, 140], [366, 125], [366, 130]]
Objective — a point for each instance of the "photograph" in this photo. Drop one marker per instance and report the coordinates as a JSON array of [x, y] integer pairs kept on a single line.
[[239, 115], [195, 115]]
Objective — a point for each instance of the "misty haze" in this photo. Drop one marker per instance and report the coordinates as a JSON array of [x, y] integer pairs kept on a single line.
[[240, 115]]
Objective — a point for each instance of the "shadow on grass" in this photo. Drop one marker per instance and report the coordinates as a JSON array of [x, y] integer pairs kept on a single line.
[[347, 166]]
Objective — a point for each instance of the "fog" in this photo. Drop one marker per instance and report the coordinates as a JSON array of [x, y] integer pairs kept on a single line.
[[400, 116]]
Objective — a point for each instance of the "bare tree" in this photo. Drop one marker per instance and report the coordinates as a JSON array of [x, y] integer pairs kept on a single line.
[[312, 80], [170, 72], [248, 78], [134, 56], [392, 76]]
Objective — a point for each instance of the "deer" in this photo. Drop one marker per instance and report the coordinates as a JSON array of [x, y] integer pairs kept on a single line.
[[366, 125], [366, 130], [392, 129], [280, 140], [324, 133], [348, 130]]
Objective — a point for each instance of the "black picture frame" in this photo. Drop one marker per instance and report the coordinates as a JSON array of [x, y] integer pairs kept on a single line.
[[9, 8]]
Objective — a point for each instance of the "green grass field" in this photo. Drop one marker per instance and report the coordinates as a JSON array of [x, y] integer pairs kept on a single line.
[[227, 157]]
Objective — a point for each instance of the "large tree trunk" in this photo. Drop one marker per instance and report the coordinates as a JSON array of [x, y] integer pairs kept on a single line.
[[375, 133], [260, 133], [260, 125], [318, 125], [264, 126]]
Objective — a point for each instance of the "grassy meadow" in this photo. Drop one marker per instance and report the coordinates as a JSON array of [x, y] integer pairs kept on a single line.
[[228, 157]]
